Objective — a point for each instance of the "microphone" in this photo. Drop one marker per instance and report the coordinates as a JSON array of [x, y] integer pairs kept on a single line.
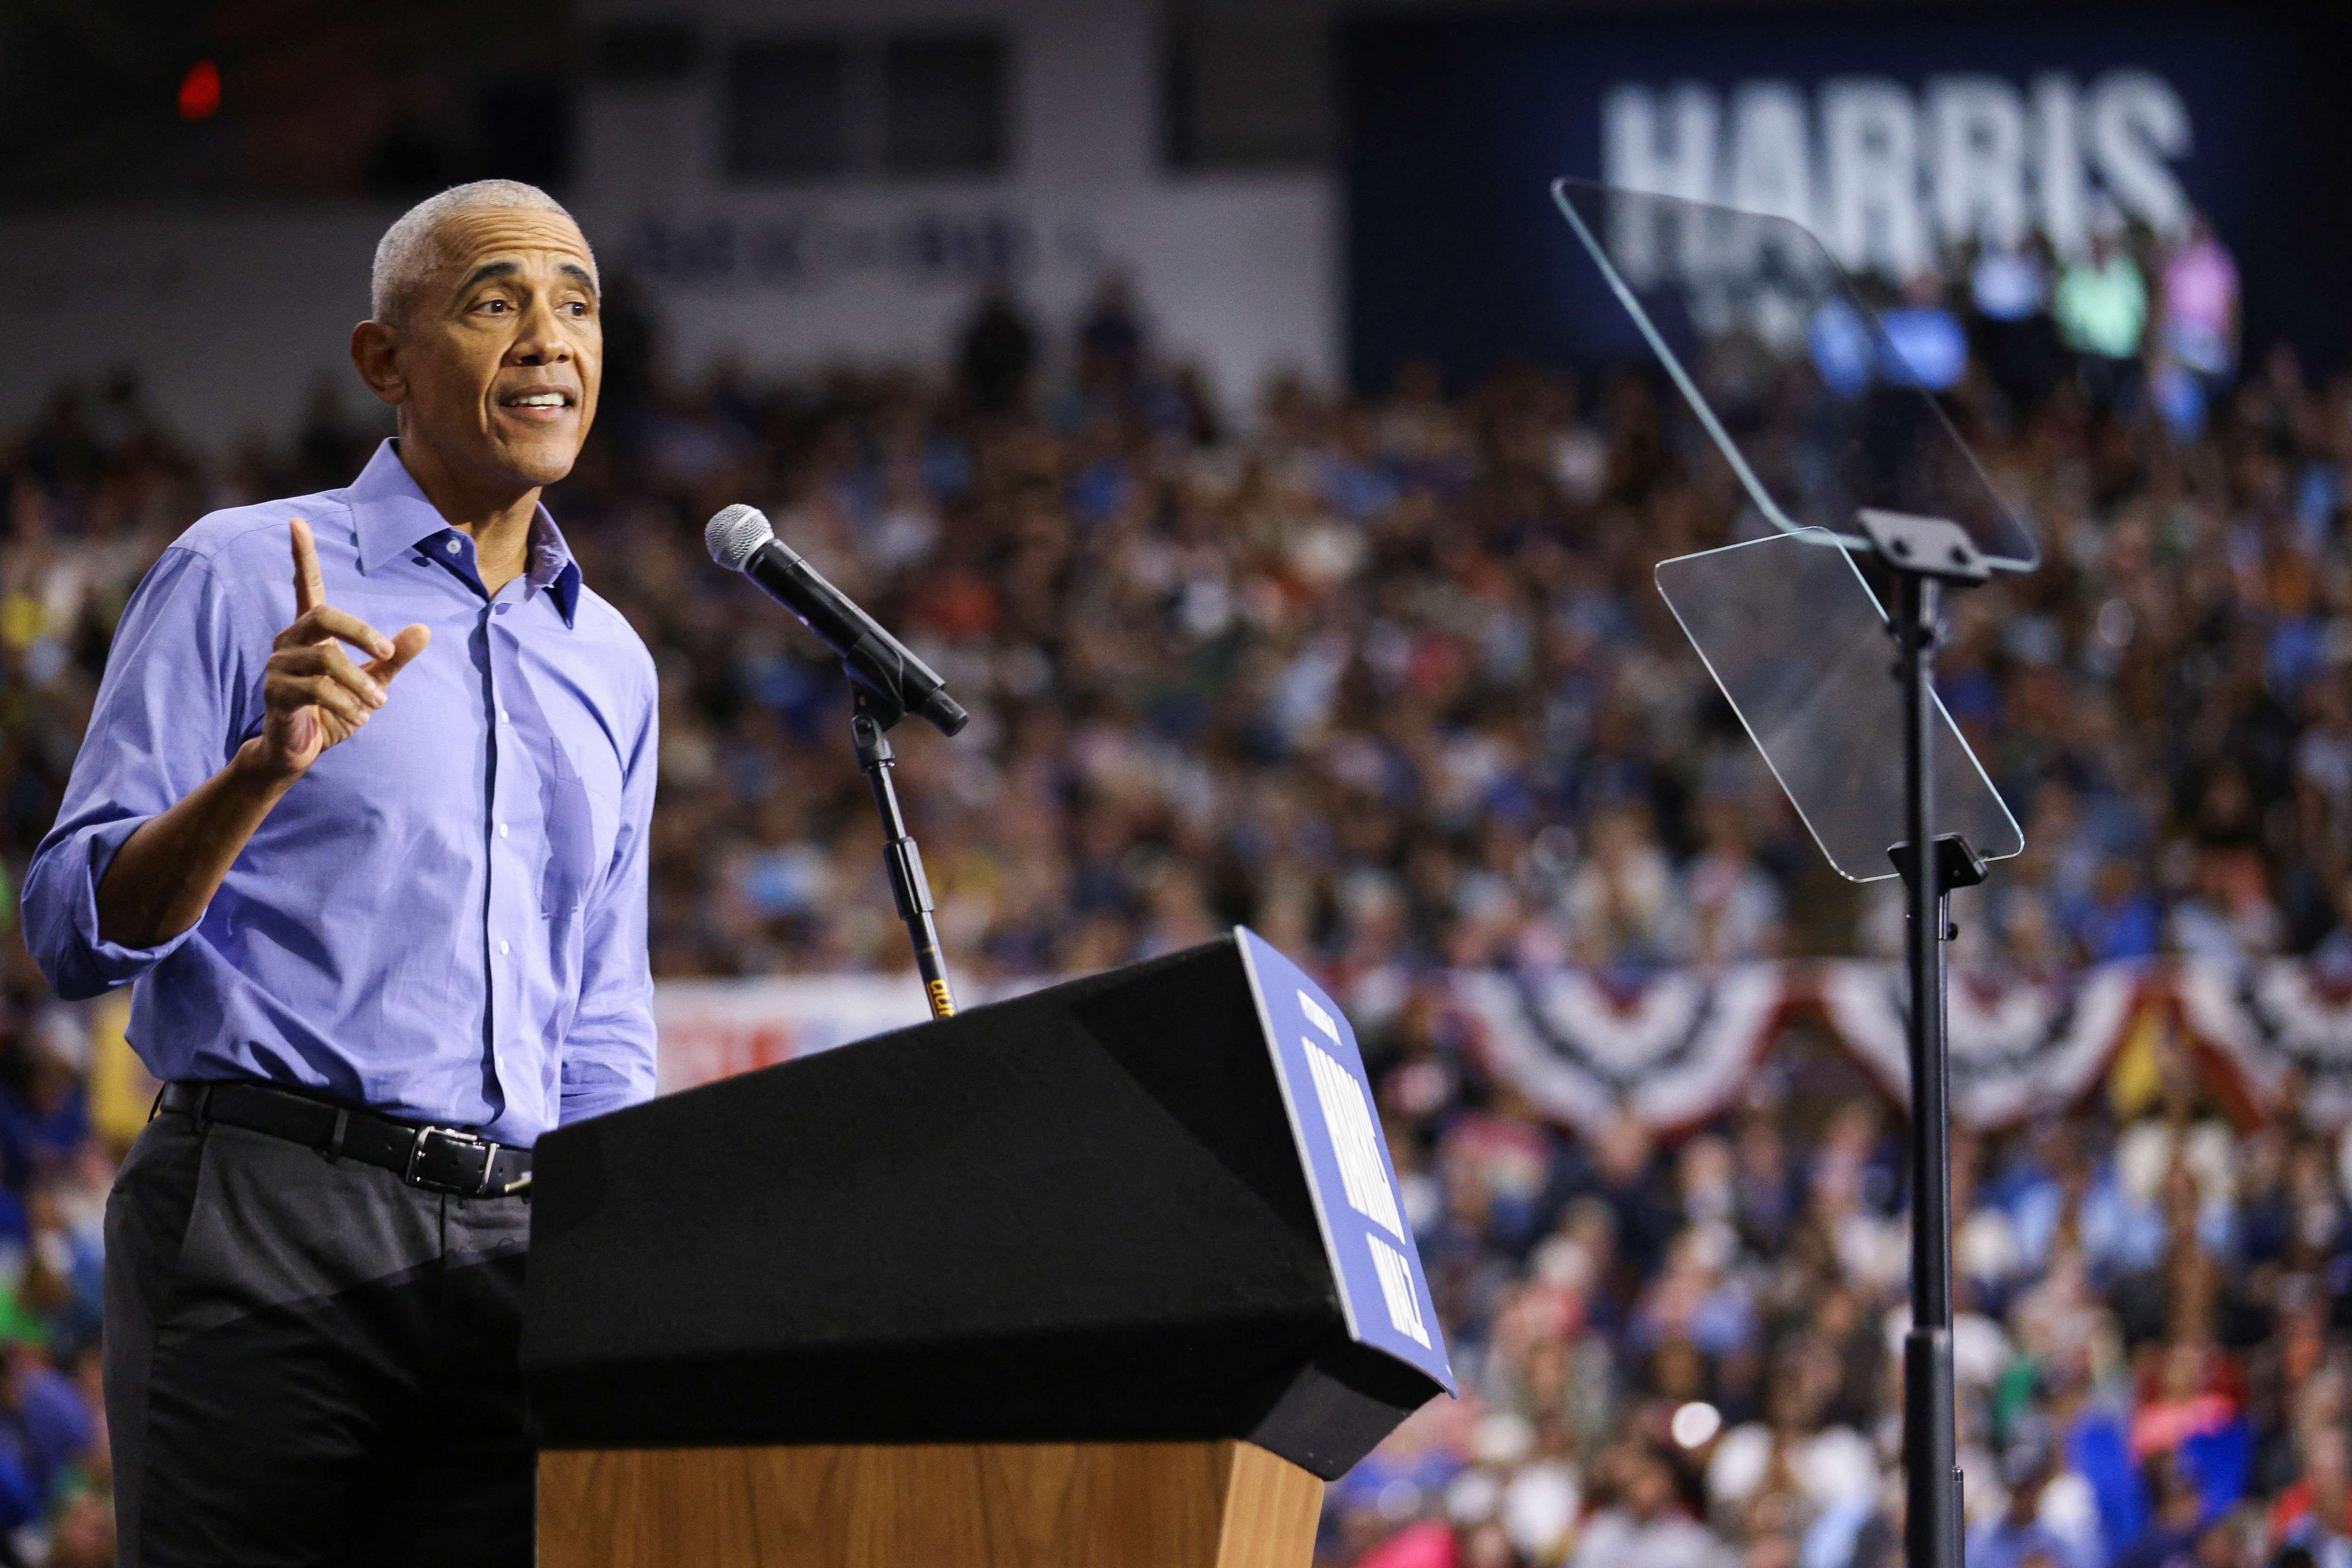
[[890, 677]]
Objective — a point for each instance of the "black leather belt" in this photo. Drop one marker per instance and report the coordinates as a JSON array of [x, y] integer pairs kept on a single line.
[[437, 1159]]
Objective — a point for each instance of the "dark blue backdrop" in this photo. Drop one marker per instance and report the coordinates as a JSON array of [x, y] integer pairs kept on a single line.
[[1457, 126]]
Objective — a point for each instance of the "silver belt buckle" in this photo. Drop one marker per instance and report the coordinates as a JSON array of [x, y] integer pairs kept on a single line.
[[416, 1177]]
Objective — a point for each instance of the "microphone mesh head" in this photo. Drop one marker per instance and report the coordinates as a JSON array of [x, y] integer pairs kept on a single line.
[[735, 533]]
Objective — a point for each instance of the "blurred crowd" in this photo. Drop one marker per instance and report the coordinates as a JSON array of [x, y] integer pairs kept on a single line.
[[1691, 1357], [1385, 676]]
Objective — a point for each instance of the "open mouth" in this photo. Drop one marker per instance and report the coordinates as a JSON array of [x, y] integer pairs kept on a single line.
[[537, 403]]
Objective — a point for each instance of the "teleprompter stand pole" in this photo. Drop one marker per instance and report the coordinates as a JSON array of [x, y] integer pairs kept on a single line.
[[1924, 554], [908, 886]]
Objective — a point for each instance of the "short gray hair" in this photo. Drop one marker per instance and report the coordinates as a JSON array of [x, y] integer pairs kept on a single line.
[[411, 248]]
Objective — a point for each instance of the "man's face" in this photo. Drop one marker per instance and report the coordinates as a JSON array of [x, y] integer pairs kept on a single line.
[[496, 363]]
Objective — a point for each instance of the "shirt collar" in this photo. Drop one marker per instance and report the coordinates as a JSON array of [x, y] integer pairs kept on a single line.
[[392, 516], [550, 565]]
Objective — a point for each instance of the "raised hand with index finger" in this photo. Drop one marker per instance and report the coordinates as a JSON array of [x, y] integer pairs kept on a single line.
[[312, 693]]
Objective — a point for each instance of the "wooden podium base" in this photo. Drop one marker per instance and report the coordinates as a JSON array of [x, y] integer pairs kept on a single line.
[[1007, 1505]]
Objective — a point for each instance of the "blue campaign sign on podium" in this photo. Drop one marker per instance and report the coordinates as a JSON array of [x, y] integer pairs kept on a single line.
[[1382, 1289]]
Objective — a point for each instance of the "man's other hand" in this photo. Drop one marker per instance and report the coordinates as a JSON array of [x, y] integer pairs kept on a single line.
[[313, 693]]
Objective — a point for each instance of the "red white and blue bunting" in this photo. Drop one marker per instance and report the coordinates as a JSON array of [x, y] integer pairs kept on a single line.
[[2020, 1045], [1671, 1052], [2282, 1028], [1676, 1046]]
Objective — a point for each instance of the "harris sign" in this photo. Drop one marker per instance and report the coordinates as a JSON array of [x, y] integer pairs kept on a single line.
[[1900, 140]]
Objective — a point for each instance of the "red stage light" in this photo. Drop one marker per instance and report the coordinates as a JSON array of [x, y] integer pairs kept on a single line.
[[200, 92]]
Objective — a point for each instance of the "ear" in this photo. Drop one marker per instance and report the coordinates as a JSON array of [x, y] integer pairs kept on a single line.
[[375, 350]]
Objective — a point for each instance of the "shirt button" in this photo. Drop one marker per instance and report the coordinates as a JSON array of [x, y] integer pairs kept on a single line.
[[453, 547], [502, 950], [502, 717], [502, 830]]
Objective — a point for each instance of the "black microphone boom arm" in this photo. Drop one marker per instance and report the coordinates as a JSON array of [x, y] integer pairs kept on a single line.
[[885, 671], [895, 682]]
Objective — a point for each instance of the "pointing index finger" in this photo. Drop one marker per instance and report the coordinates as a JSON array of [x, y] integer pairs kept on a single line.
[[310, 585], [327, 622]]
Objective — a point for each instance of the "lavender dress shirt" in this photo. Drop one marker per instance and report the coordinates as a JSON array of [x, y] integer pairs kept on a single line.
[[445, 920]]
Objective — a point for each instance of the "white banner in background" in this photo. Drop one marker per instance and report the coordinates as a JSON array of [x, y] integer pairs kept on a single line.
[[1670, 1053], [2018, 1046], [711, 1029], [715, 1028]]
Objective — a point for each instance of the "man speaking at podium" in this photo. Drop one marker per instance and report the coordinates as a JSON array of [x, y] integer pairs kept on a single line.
[[363, 810]]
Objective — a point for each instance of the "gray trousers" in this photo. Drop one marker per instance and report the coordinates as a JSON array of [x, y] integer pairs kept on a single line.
[[309, 1362]]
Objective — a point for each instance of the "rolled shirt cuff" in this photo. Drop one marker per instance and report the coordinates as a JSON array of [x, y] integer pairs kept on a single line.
[[593, 1088], [93, 964]]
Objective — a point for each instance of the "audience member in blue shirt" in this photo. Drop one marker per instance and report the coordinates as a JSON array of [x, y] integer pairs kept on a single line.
[[2171, 1533], [2019, 1538], [43, 1116], [44, 1424]]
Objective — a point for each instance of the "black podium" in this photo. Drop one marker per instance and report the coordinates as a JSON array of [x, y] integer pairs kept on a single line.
[[1113, 1272]]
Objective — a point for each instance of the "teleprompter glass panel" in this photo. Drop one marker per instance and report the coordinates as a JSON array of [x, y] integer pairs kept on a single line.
[[1818, 411], [1799, 645]]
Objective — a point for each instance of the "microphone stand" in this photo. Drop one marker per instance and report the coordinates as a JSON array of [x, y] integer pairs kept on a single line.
[[869, 734]]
